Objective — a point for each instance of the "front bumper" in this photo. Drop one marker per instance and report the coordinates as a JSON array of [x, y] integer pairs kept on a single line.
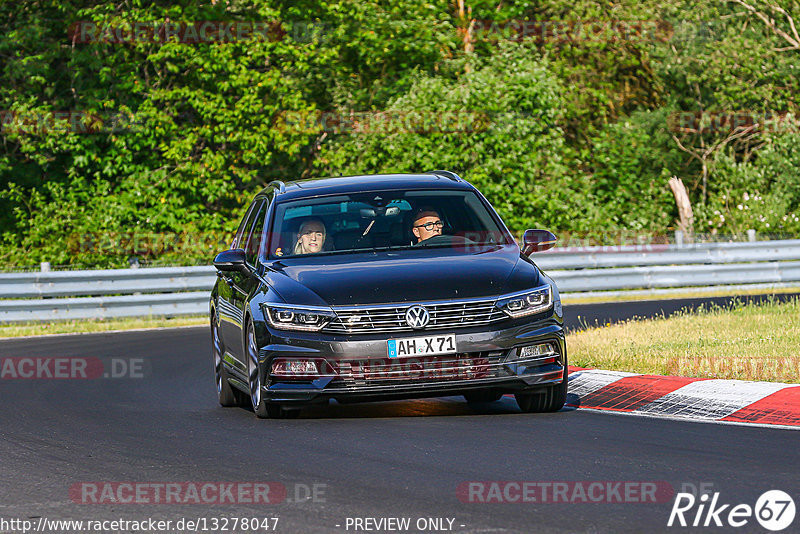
[[359, 369]]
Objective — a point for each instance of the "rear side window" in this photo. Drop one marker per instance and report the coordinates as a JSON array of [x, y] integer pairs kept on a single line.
[[254, 239], [247, 223]]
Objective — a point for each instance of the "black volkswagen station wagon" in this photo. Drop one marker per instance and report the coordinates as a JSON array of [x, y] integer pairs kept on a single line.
[[365, 288]]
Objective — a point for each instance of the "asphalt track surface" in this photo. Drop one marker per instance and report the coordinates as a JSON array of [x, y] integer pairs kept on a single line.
[[379, 460]]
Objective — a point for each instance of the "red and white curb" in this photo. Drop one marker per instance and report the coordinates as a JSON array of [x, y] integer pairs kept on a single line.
[[703, 399]]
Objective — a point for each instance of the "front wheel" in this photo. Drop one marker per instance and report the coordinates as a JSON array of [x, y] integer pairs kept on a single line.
[[227, 395], [261, 407], [254, 376], [550, 400]]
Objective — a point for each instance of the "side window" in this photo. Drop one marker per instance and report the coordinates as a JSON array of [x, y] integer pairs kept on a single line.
[[247, 223], [254, 239]]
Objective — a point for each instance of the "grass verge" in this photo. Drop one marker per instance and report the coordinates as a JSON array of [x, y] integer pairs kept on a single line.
[[100, 325], [753, 342]]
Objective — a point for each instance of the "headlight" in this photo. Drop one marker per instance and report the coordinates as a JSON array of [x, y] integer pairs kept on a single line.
[[310, 318], [527, 303]]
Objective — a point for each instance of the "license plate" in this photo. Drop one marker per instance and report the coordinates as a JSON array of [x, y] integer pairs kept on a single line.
[[422, 346]]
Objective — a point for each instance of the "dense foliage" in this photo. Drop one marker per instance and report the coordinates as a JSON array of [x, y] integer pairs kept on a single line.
[[567, 115]]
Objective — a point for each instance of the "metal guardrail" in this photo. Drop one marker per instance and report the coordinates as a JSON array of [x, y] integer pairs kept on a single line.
[[173, 291], [107, 282], [102, 294], [642, 255], [159, 304], [661, 276]]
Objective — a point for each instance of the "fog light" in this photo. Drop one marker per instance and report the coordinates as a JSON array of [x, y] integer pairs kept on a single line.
[[294, 368], [536, 351]]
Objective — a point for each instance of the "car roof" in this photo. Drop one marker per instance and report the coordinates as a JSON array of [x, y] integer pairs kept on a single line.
[[371, 182]]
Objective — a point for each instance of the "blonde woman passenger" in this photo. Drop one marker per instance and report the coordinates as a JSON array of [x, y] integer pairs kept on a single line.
[[310, 238]]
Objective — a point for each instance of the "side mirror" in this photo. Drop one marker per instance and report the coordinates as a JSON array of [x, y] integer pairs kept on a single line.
[[537, 241], [231, 261]]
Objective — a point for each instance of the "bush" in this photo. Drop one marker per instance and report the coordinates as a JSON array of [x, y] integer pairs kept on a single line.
[[632, 160], [762, 193]]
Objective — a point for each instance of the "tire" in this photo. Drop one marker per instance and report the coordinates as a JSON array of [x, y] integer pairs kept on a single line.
[[227, 396], [550, 400], [261, 407], [483, 396], [253, 375]]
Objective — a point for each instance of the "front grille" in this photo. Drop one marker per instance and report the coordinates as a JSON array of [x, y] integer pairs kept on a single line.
[[366, 319]]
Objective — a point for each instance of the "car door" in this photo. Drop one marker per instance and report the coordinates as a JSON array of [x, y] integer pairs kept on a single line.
[[230, 329], [242, 284]]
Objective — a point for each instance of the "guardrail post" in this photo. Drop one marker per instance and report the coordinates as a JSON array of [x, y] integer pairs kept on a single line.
[[679, 238], [751, 235], [45, 266]]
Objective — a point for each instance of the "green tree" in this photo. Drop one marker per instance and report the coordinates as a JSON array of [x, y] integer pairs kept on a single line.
[[509, 143], [199, 140]]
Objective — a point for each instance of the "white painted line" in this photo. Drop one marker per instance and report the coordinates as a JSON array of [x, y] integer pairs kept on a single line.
[[710, 399], [582, 383]]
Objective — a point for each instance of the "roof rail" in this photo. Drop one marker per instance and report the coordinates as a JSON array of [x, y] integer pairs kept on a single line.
[[447, 174], [279, 185]]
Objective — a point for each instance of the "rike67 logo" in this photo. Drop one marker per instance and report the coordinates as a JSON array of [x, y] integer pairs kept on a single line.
[[774, 510]]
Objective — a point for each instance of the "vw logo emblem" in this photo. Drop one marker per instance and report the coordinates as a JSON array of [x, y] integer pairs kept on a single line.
[[417, 317]]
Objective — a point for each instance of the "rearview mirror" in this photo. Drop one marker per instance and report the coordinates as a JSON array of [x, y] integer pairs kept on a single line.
[[537, 241], [231, 261]]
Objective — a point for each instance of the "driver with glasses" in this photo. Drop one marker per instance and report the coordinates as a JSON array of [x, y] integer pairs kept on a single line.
[[427, 224]]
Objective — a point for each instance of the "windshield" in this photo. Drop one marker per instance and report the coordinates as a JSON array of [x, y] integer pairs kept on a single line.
[[383, 220]]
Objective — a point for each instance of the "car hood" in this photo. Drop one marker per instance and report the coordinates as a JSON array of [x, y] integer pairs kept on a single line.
[[402, 276]]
